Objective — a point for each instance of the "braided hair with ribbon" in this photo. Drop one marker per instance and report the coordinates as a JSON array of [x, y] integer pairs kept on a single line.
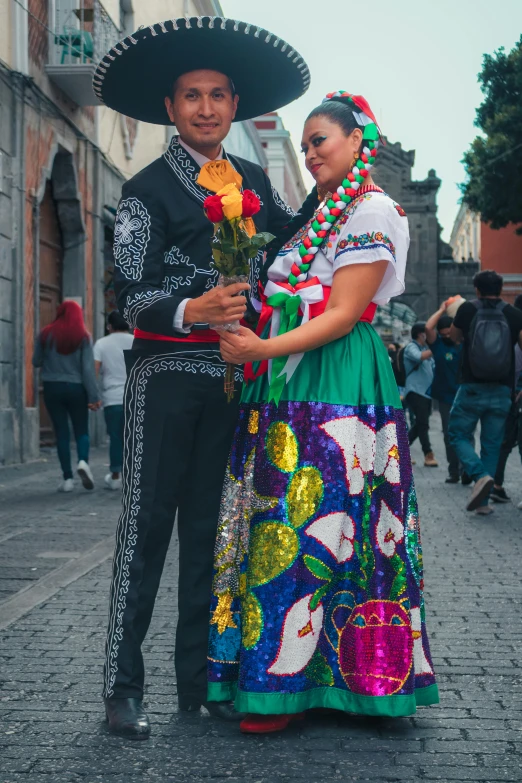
[[299, 292]]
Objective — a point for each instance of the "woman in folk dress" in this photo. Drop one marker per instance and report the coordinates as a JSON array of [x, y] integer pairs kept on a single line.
[[318, 593]]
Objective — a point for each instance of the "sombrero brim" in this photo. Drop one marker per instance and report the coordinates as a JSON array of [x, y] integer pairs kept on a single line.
[[135, 75]]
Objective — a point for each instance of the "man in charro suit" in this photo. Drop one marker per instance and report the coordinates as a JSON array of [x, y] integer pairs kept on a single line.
[[199, 74]]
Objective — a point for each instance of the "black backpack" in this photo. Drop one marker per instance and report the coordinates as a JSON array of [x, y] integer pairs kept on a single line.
[[490, 350], [399, 370]]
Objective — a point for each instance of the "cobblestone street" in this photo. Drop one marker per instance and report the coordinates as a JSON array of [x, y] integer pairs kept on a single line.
[[54, 578]]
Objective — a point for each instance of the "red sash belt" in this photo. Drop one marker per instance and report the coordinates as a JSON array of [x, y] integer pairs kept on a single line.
[[209, 336], [197, 336]]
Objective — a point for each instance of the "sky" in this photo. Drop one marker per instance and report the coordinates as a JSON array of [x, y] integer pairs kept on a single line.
[[415, 62]]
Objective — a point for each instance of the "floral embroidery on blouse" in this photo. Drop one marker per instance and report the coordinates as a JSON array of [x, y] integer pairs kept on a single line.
[[399, 209], [367, 241], [297, 238], [336, 230]]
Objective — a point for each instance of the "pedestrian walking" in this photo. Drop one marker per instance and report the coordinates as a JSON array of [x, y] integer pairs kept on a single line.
[[317, 593], [418, 369], [446, 355], [178, 423], [109, 363], [489, 328], [63, 351], [513, 431]]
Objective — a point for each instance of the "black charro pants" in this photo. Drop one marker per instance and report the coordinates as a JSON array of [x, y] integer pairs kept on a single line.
[[178, 432]]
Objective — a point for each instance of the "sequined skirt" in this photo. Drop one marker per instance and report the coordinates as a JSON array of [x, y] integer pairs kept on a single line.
[[317, 592]]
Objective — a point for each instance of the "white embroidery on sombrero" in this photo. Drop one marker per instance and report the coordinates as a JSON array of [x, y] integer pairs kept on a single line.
[[200, 22]]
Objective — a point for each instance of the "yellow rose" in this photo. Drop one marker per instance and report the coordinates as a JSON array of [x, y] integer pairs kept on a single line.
[[215, 174], [232, 202], [250, 227]]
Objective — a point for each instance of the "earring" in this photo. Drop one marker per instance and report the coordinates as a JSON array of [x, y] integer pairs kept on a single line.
[[356, 156]]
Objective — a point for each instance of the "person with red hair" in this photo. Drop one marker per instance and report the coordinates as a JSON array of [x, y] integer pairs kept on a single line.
[[64, 353]]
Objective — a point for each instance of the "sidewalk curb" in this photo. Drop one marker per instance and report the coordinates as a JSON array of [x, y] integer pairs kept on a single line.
[[28, 598]]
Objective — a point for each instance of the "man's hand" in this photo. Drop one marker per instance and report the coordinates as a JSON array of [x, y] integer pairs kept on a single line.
[[95, 406], [218, 306]]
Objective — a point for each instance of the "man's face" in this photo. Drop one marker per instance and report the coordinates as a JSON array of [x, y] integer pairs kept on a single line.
[[421, 339], [202, 108]]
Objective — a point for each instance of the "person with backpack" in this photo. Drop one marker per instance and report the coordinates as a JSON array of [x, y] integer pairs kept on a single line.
[[446, 355], [489, 328], [418, 379], [513, 431]]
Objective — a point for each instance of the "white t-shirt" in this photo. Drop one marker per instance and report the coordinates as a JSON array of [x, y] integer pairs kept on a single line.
[[113, 374], [373, 228]]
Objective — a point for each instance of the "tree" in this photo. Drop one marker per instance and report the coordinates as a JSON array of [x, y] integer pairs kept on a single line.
[[494, 161]]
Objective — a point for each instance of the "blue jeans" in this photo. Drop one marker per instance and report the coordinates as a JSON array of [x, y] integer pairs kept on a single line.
[[63, 401], [114, 421], [488, 403]]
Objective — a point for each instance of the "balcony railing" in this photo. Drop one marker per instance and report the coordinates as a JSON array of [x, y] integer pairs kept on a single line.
[[81, 35]]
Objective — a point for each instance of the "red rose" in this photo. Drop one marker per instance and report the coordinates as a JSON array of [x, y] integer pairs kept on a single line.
[[251, 204], [214, 208]]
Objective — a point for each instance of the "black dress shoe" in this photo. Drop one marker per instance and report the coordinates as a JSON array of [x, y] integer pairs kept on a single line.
[[452, 480], [224, 710], [127, 718]]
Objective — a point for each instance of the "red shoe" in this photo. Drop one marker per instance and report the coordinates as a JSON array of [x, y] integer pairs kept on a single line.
[[266, 724]]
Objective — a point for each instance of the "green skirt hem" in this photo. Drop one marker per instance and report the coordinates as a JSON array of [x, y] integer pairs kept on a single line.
[[330, 698]]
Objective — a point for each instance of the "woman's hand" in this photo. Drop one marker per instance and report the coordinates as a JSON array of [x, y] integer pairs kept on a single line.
[[242, 346]]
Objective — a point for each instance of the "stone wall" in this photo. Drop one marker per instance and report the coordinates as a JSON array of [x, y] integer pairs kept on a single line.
[[36, 145], [9, 431], [455, 278], [393, 173]]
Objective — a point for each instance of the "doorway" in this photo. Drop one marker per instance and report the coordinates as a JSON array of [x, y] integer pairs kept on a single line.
[[51, 285]]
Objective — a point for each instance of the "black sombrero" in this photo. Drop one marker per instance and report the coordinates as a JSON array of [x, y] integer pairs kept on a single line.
[[137, 73]]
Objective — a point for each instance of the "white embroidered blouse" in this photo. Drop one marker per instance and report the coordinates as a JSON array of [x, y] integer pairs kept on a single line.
[[373, 228]]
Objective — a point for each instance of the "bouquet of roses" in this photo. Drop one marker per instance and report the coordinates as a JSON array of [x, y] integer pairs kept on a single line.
[[234, 244]]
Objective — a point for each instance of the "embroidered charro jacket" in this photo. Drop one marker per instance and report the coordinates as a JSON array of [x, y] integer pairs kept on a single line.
[[162, 239]]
